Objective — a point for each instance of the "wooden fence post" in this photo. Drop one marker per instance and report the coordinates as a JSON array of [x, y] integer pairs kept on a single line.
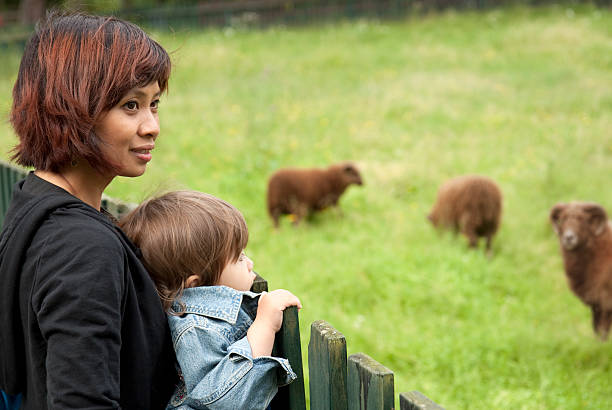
[[117, 208], [370, 384], [414, 400], [288, 345], [259, 284], [9, 175], [327, 367]]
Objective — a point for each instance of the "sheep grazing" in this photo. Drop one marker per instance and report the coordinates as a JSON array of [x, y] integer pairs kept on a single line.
[[585, 236], [302, 191], [469, 204]]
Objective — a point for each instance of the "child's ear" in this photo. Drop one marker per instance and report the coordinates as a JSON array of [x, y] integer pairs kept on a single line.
[[192, 281]]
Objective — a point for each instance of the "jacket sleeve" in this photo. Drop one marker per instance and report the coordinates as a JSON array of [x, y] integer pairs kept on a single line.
[[220, 376], [77, 299]]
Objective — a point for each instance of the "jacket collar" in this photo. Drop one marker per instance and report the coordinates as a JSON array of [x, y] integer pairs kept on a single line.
[[219, 302]]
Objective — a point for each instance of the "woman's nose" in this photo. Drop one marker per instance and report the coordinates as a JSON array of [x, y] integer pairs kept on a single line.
[[149, 126]]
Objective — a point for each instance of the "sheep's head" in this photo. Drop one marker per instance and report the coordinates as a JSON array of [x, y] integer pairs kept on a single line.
[[576, 223], [350, 174], [433, 218]]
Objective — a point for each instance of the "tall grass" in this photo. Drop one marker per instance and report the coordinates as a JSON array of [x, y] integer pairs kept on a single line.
[[523, 95]]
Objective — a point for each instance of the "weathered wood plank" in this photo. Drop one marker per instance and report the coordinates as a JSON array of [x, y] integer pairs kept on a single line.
[[9, 174], [370, 384], [110, 206], [288, 345], [414, 400], [327, 367], [259, 284], [4, 189], [117, 208]]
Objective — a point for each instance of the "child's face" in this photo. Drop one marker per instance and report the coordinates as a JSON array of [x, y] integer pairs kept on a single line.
[[238, 275]]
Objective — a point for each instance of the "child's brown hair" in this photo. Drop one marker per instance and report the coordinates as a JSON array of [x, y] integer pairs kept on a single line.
[[184, 233]]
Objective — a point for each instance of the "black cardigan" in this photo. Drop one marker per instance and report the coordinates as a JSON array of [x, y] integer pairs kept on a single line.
[[81, 323]]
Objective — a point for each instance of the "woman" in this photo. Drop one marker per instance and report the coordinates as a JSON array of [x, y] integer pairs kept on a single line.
[[82, 325]]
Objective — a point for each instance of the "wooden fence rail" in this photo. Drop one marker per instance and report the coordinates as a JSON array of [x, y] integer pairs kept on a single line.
[[336, 382], [9, 175], [416, 401]]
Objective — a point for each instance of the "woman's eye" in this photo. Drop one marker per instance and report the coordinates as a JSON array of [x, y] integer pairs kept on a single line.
[[131, 105]]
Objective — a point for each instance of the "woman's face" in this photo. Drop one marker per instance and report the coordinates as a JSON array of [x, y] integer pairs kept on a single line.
[[130, 128]]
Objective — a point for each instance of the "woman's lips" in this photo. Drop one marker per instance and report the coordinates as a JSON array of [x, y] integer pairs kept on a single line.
[[143, 154]]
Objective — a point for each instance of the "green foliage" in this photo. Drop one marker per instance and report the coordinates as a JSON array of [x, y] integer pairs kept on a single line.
[[523, 95]]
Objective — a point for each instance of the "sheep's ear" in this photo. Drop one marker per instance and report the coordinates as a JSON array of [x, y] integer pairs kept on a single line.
[[555, 213], [349, 169], [598, 219]]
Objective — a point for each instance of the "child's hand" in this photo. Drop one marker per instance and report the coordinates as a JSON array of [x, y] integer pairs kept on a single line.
[[271, 307], [269, 320]]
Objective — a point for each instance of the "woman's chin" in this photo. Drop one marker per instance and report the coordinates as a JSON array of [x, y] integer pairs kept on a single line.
[[133, 172]]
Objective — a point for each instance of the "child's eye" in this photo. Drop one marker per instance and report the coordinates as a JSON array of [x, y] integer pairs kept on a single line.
[[155, 104], [242, 257]]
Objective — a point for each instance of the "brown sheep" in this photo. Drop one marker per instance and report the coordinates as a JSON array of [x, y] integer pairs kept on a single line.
[[585, 236], [469, 204], [301, 191]]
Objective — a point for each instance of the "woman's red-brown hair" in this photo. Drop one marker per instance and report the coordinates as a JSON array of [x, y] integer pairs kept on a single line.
[[75, 68]]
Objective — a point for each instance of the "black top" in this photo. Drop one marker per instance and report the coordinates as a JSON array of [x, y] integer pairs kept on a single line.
[[81, 325]]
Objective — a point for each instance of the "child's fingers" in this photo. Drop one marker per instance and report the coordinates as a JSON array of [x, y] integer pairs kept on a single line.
[[297, 302], [285, 298]]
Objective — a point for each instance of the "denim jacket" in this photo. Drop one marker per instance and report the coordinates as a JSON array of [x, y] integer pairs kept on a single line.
[[218, 368]]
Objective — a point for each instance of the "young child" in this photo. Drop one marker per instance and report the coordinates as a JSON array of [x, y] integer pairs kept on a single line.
[[193, 247]]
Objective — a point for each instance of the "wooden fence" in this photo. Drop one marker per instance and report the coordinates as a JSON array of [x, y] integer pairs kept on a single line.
[[259, 13], [10, 174], [336, 382]]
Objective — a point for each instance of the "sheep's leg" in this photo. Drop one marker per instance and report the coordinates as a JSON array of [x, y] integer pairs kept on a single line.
[[339, 211], [293, 209], [469, 232], [467, 228], [489, 251], [275, 214], [604, 321], [489, 241], [597, 320], [300, 212], [473, 239]]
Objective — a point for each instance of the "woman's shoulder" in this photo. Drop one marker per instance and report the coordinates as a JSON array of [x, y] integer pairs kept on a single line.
[[82, 221], [79, 224]]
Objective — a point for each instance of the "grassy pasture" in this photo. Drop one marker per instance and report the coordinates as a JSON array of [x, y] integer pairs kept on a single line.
[[523, 95]]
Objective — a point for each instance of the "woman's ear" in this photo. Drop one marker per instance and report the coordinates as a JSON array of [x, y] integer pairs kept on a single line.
[[192, 281]]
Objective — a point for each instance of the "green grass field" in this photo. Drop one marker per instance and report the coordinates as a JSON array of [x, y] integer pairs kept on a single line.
[[523, 95]]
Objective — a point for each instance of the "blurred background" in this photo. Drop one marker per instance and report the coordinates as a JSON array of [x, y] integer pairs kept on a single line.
[[414, 93]]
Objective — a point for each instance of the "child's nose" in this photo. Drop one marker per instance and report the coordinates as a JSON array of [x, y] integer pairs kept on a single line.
[[249, 263]]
